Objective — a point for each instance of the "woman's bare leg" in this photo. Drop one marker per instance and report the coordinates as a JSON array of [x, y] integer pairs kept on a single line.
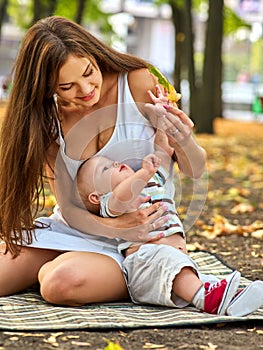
[[77, 278], [20, 273]]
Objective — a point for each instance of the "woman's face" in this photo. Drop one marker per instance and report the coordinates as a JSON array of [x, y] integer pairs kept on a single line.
[[79, 81]]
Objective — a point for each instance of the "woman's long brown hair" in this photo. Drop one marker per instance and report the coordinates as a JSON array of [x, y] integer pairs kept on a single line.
[[31, 121]]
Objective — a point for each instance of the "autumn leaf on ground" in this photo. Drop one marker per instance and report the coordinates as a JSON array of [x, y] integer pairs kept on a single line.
[[113, 346], [153, 346], [222, 227], [242, 208], [257, 234]]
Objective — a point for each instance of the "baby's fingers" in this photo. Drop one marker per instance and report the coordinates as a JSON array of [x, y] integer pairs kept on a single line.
[[152, 97]]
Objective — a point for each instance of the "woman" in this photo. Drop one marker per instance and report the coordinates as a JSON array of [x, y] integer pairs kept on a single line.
[[74, 97]]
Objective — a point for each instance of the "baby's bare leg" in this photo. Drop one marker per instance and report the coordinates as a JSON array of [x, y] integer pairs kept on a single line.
[[186, 284]]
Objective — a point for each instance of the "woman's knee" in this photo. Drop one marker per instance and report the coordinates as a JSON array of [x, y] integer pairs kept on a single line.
[[58, 282], [76, 278]]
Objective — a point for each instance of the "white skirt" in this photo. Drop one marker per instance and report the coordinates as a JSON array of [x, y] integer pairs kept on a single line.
[[58, 235]]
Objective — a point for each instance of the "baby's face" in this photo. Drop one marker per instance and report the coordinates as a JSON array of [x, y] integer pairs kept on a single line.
[[108, 174]]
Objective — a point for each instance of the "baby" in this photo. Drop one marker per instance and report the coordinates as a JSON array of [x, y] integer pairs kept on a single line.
[[159, 272], [114, 188]]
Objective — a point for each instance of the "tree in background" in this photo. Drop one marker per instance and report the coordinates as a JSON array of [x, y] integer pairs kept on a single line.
[[205, 101], [3, 6], [43, 8], [80, 11], [205, 78]]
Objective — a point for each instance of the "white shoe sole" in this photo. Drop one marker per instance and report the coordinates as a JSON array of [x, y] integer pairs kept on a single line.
[[247, 301], [230, 291]]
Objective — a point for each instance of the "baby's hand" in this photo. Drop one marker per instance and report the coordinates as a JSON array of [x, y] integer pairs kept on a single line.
[[151, 163], [161, 98], [157, 110]]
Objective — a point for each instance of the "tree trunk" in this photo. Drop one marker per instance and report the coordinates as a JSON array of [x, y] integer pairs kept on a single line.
[[43, 9], [80, 10], [52, 4], [3, 14], [37, 6], [178, 22], [189, 49], [212, 70], [205, 96]]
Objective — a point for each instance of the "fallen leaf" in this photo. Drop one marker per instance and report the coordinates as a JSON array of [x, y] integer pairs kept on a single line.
[[112, 346], [257, 234], [80, 343], [194, 246], [209, 346], [242, 208], [153, 346], [222, 227], [52, 340]]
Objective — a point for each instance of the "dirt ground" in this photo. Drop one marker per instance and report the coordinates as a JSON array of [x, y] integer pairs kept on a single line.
[[233, 141]]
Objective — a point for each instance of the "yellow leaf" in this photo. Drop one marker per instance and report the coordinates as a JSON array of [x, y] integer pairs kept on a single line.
[[113, 346], [257, 234], [173, 96], [153, 346], [242, 208]]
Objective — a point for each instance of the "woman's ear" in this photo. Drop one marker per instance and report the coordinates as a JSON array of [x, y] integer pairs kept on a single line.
[[94, 198]]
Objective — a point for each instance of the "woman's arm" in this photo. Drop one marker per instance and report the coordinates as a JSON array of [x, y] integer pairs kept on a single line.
[[178, 141], [191, 157], [178, 127]]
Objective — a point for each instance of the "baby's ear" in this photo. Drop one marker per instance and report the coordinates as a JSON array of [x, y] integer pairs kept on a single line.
[[94, 198]]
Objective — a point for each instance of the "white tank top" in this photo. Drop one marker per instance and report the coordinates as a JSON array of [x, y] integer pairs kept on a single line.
[[132, 138]]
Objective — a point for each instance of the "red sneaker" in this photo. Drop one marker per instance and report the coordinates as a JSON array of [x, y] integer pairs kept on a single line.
[[219, 295]]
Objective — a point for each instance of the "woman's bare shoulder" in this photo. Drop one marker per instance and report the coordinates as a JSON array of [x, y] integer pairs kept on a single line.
[[140, 81], [52, 152]]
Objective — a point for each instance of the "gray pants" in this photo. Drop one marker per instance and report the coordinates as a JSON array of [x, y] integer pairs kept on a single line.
[[150, 273]]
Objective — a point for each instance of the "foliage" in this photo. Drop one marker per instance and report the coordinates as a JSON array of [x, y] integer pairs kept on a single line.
[[92, 12], [22, 12], [232, 22], [256, 58]]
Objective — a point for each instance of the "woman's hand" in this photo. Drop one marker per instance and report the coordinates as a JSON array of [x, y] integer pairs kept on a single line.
[[136, 226], [177, 125], [191, 157], [167, 117]]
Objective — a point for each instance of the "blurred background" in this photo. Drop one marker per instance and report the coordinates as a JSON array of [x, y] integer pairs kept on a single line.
[[210, 50]]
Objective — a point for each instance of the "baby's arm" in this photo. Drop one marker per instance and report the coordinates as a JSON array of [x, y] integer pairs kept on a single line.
[[125, 196], [162, 148]]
